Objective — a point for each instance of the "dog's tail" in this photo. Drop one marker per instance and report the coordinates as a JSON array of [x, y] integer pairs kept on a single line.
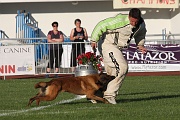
[[40, 84]]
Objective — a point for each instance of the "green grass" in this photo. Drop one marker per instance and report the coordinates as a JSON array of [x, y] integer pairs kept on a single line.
[[140, 98]]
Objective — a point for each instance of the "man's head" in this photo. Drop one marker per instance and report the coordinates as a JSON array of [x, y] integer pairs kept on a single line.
[[134, 16], [77, 22], [55, 25]]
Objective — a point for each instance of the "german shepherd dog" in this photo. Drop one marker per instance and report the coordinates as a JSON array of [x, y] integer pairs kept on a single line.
[[81, 85]]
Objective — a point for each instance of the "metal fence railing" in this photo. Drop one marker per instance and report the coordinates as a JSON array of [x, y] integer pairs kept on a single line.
[[42, 60], [26, 25], [42, 52]]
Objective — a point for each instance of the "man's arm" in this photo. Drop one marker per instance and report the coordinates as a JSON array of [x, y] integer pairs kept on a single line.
[[49, 39], [99, 29], [109, 24], [140, 39], [60, 39], [85, 34]]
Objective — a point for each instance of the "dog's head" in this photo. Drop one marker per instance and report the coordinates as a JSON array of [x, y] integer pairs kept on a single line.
[[104, 79]]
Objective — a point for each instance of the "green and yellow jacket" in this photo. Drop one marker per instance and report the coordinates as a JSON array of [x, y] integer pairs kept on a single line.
[[120, 24]]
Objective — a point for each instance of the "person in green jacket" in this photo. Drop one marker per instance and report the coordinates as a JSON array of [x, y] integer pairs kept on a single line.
[[111, 36]]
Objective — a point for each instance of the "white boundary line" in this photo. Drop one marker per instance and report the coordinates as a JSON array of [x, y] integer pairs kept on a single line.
[[39, 108]]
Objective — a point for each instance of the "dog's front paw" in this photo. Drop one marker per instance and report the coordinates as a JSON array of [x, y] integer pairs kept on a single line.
[[30, 101], [29, 104], [106, 101]]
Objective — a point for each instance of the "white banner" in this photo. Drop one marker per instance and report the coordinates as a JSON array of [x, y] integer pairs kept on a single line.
[[117, 4], [153, 67], [157, 58], [17, 60]]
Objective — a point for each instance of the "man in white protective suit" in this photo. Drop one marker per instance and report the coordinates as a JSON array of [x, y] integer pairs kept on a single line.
[[112, 35]]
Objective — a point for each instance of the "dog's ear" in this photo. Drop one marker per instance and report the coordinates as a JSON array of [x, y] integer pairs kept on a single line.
[[109, 78], [101, 73], [99, 83], [113, 77], [102, 77]]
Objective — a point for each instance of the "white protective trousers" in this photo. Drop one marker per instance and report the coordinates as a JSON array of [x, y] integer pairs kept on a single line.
[[110, 68]]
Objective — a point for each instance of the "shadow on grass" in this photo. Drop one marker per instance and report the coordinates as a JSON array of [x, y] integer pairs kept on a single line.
[[85, 101], [137, 93], [148, 98]]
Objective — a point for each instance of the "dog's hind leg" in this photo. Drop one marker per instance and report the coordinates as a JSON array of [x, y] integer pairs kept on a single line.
[[50, 94]]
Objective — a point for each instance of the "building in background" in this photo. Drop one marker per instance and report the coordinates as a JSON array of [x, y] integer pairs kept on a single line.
[[89, 11], [37, 15]]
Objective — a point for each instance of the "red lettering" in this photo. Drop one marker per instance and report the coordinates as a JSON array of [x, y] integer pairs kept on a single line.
[[132, 1], [160, 1], [166, 1], [172, 2], [142, 1], [124, 1], [2, 69], [11, 69], [7, 69], [150, 1]]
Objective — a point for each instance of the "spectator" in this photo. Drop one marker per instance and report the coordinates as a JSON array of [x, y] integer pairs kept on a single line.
[[78, 34], [54, 37]]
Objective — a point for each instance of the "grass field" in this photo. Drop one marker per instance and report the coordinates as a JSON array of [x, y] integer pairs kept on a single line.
[[140, 98]]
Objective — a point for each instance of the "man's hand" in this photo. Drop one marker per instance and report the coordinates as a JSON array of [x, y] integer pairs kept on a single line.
[[142, 49], [81, 37], [93, 45]]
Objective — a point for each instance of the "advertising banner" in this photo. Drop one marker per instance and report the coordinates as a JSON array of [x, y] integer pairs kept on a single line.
[[157, 58], [118, 4], [17, 60]]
